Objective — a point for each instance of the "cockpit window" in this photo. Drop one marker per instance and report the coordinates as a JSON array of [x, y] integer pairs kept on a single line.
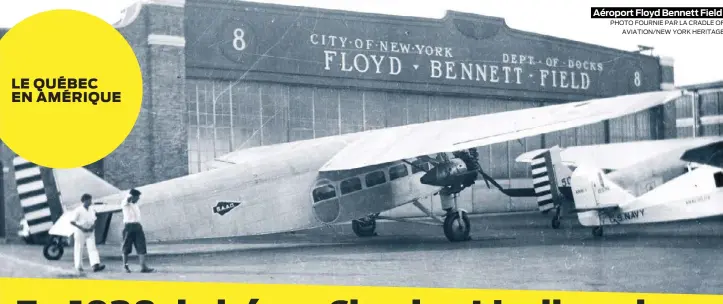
[[350, 185], [397, 172], [324, 192], [375, 178]]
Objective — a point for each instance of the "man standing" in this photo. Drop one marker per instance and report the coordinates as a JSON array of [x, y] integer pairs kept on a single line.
[[133, 235], [84, 221]]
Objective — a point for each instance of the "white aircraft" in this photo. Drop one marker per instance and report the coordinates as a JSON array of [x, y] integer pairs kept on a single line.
[[312, 183], [630, 183]]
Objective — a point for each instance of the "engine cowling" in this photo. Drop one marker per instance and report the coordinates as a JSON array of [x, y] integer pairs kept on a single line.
[[453, 173]]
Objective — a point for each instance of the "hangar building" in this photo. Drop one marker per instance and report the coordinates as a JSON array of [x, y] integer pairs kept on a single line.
[[222, 75]]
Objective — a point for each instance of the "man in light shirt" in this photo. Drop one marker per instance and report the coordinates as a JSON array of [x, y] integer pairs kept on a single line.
[[133, 235], [84, 221]]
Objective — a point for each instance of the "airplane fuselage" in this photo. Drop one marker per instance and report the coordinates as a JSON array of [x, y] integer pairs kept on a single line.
[[271, 192], [645, 176], [692, 195]]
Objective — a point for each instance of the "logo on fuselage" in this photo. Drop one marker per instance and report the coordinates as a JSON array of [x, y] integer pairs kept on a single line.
[[224, 207], [626, 216]]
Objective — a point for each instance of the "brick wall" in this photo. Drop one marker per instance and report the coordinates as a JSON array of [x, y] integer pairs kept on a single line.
[[156, 148]]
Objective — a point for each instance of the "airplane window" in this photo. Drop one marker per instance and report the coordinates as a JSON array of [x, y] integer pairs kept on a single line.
[[375, 178], [324, 192], [419, 163], [350, 185], [397, 172]]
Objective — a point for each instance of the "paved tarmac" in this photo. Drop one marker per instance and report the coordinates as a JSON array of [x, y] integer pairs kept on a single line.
[[508, 251]]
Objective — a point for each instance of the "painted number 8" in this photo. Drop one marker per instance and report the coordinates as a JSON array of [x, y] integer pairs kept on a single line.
[[239, 40], [637, 79]]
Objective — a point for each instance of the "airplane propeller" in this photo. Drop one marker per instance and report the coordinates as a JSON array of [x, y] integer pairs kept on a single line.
[[469, 157]]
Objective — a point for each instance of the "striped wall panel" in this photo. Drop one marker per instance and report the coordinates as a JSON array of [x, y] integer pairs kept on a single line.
[[32, 196]]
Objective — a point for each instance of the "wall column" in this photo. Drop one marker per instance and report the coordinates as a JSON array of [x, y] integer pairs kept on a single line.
[[157, 148], [665, 116]]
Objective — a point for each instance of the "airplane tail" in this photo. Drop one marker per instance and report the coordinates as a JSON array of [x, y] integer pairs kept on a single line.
[[593, 190], [551, 179], [44, 194]]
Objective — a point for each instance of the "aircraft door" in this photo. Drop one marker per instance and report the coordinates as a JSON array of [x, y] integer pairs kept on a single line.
[[325, 201]]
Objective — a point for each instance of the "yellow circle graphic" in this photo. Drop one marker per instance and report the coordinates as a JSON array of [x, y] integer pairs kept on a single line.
[[71, 89]]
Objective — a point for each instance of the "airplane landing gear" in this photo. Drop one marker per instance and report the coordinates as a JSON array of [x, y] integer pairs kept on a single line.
[[364, 227], [53, 250], [597, 231], [556, 222], [556, 219], [457, 226], [456, 223]]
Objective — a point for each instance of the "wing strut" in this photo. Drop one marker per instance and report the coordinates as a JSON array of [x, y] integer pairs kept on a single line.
[[512, 192], [471, 160]]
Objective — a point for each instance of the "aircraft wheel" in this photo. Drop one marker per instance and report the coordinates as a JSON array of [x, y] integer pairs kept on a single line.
[[364, 228], [556, 222], [457, 229], [597, 231], [53, 250]]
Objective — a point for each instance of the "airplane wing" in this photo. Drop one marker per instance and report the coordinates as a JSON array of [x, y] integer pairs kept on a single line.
[[409, 141], [607, 156], [62, 226], [260, 153], [710, 154]]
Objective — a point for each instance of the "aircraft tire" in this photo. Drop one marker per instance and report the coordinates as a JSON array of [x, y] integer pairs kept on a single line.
[[597, 231], [364, 229], [556, 222], [53, 250], [454, 234]]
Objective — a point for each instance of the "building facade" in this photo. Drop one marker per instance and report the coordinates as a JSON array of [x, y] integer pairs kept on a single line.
[[701, 112], [222, 75]]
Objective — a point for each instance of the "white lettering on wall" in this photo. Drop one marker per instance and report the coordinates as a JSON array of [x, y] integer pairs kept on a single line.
[[380, 46], [475, 72], [365, 56], [564, 79], [362, 63]]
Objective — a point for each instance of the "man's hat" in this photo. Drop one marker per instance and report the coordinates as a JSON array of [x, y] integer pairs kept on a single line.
[[135, 192]]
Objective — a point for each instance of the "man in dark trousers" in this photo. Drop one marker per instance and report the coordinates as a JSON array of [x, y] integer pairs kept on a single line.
[[133, 235]]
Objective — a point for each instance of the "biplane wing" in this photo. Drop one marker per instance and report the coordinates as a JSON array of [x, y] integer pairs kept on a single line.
[[709, 154], [607, 156], [410, 141]]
